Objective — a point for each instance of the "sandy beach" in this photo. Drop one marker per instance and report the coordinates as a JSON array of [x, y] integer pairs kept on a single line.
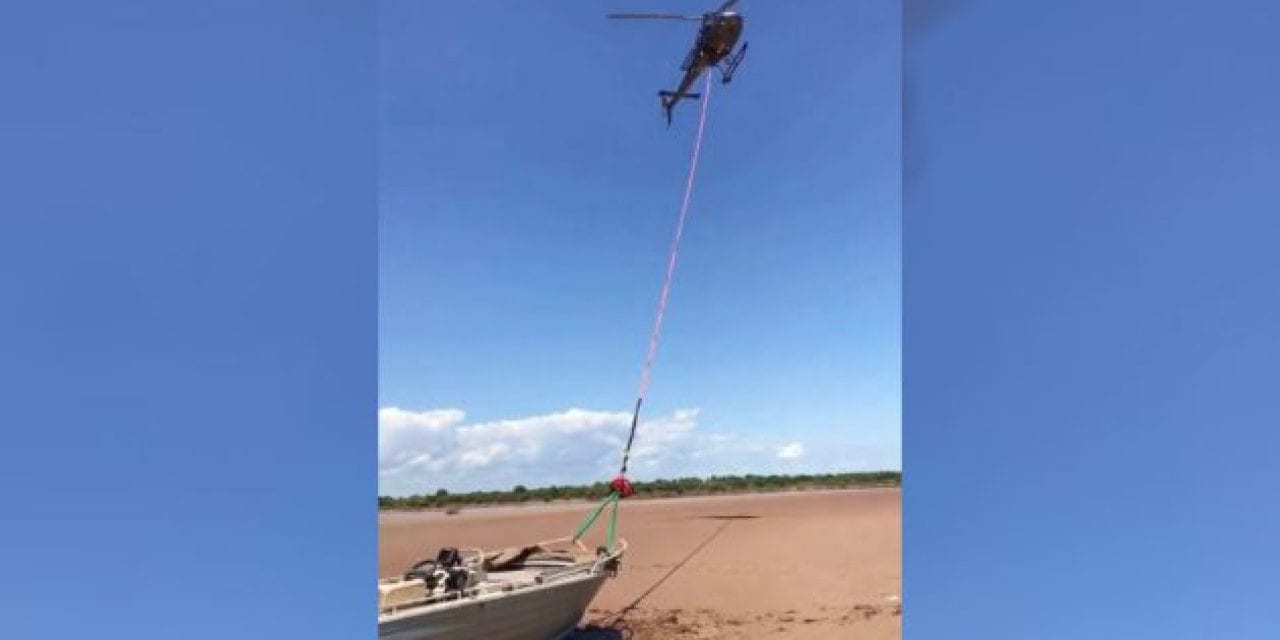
[[813, 565]]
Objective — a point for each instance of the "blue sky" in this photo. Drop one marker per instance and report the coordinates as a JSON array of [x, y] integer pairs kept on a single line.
[[528, 191], [187, 259]]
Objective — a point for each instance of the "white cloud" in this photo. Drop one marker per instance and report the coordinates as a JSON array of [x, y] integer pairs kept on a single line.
[[397, 418], [406, 439], [791, 451], [421, 451]]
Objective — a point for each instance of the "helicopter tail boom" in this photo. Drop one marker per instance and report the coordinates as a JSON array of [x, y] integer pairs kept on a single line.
[[669, 99]]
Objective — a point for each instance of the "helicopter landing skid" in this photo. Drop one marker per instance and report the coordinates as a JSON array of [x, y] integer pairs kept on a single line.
[[731, 65]]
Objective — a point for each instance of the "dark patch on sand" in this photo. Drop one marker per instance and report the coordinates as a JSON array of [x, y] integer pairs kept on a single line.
[[663, 624]]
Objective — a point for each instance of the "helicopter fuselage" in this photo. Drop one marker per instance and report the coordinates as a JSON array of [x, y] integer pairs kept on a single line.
[[716, 39]]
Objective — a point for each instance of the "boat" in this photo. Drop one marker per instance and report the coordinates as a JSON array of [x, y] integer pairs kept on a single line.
[[538, 592]]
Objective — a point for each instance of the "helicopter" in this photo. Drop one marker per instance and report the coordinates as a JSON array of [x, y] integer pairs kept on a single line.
[[717, 36]]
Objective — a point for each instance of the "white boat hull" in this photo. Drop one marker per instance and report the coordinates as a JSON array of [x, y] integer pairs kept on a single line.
[[544, 612]]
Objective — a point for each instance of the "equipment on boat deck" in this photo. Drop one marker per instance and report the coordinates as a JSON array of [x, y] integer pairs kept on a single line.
[[538, 592]]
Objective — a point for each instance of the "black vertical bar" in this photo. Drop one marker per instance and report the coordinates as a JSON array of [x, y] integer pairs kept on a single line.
[[635, 419]]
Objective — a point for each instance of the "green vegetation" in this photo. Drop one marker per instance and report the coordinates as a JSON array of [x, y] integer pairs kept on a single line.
[[651, 489]]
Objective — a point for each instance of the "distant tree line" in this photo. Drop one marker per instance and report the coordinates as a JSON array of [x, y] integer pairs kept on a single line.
[[648, 489]]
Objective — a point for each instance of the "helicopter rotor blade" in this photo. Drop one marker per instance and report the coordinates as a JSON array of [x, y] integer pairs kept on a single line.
[[726, 6], [651, 16]]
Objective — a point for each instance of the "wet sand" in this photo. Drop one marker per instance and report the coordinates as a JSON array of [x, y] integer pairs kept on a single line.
[[814, 565]]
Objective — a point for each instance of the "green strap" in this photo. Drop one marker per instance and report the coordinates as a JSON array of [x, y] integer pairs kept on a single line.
[[595, 513], [610, 536]]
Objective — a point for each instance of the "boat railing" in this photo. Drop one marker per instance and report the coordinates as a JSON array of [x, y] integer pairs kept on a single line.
[[619, 548]]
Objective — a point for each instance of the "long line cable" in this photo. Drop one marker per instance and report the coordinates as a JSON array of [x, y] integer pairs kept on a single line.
[[671, 268]]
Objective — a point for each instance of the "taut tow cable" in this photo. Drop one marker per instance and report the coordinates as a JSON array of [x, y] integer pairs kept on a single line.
[[620, 487], [674, 255]]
